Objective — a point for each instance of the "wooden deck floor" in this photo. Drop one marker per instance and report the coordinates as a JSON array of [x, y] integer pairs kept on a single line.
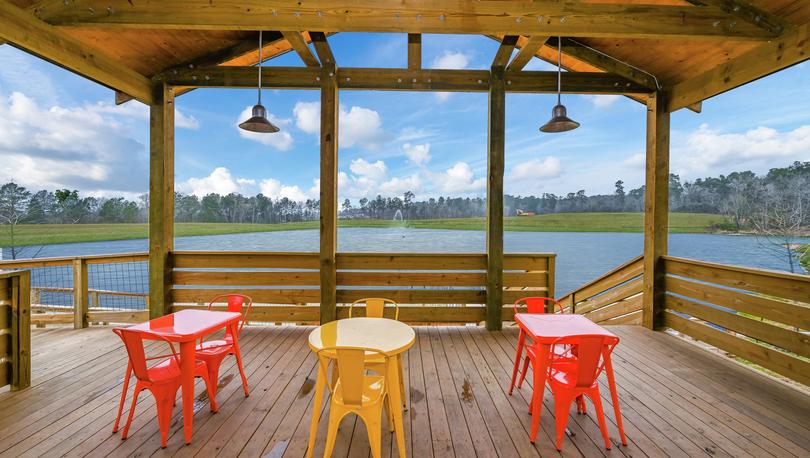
[[677, 399]]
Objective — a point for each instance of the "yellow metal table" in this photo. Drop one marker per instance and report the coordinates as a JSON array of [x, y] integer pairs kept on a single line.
[[388, 336]]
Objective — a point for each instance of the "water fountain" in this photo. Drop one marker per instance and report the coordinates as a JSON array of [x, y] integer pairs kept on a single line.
[[398, 216]]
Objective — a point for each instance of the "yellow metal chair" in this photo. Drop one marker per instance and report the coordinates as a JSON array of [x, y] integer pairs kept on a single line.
[[355, 391], [375, 308]]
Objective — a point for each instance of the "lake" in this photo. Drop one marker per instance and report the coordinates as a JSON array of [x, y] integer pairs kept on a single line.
[[581, 256]]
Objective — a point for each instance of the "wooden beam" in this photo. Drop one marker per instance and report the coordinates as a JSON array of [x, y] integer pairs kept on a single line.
[[604, 62], [495, 171], [322, 48], [299, 44], [24, 30], [791, 48], [161, 199], [656, 209], [402, 79], [437, 16], [527, 51], [121, 98], [505, 50], [414, 51], [80, 294], [329, 184], [747, 12]]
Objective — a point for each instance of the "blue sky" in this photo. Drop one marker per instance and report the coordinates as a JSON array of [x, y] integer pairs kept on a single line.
[[59, 130]]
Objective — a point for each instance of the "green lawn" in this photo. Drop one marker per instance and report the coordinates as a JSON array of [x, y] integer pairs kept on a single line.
[[41, 234]]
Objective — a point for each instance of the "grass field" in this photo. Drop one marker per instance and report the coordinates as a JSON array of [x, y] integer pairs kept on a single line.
[[42, 234]]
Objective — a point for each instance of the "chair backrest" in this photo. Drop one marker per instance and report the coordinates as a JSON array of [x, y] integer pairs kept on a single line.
[[235, 303], [537, 304], [133, 342], [591, 353], [375, 307], [351, 365]]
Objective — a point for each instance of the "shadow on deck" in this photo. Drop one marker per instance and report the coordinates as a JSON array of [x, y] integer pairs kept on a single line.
[[677, 400]]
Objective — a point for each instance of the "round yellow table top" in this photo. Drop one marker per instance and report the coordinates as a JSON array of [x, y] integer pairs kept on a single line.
[[388, 336]]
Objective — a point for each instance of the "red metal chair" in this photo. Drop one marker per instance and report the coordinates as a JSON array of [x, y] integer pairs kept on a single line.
[[214, 351], [535, 305], [162, 379], [571, 380]]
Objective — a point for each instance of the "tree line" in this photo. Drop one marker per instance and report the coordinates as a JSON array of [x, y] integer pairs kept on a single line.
[[747, 198]]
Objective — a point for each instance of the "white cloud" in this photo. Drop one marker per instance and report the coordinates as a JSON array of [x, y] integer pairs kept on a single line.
[[601, 100], [220, 181], [536, 169], [76, 147], [453, 61], [372, 171], [137, 110], [282, 140], [368, 179], [308, 116], [276, 190], [398, 186], [358, 126], [712, 151], [636, 161], [408, 134], [459, 179], [418, 154]]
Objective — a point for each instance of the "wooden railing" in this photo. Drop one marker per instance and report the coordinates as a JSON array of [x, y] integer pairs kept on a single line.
[[89, 307], [15, 330], [758, 315], [432, 287], [613, 298]]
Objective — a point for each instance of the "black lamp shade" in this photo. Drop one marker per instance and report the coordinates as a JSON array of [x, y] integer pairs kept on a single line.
[[259, 122], [559, 122]]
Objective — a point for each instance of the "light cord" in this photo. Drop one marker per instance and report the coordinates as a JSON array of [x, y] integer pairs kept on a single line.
[[559, 69], [260, 67]]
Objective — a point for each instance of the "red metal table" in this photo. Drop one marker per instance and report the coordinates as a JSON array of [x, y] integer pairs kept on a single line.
[[185, 327], [544, 329]]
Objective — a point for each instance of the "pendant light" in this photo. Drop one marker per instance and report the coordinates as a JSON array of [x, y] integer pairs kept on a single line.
[[259, 122], [560, 122]]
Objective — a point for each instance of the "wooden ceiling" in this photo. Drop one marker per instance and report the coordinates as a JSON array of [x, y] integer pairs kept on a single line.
[[670, 58]]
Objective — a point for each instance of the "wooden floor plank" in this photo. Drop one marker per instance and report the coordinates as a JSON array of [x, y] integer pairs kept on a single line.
[[676, 399]]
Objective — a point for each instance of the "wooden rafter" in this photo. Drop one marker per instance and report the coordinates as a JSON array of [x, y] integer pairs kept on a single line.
[[604, 62], [402, 79], [438, 16], [505, 51], [527, 51], [791, 48], [322, 47], [300, 45], [746, 12], [26, 31], [414, 51]]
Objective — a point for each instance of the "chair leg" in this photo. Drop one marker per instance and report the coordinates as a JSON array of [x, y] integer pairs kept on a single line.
[[600, 415], [164, 415], [562, 407], [123, 397], [242, 373], [131, 411], [403, 391], [523, 372], [374, 426], [335, 416], [389, 413], [211, 388]]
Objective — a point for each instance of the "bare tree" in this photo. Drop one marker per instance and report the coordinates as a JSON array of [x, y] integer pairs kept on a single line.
[[13, 203], [782, 218]]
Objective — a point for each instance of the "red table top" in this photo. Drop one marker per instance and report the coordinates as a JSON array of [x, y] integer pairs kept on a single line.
[[546, 328], [189, 324]]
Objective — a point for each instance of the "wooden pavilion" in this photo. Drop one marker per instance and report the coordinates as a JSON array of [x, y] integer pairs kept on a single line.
[[666, 54]]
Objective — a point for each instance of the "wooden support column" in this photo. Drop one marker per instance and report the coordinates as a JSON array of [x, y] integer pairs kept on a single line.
[[656, 208], [329, 184], [414, 51], [161, 199], [80, 294], [495, 166]]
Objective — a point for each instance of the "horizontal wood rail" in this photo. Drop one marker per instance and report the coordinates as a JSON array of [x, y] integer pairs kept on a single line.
[[613, 298], [759, 315], [86, 301], [433, 287]]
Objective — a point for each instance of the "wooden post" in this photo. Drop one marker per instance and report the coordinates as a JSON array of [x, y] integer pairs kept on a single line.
[[161, 199], [15, 322], [656, 208], [79, 294], [495, 166], [328, 217], [414, 51]]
